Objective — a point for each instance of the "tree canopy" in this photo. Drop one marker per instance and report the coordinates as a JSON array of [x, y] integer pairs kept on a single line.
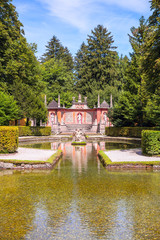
[[19, 68], [96, 64], [142, 74], [8, 109], [55, 50], [95, 61], [134, 81]]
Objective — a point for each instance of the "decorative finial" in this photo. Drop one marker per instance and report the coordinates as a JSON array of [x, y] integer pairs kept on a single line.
[[79, 98], [73, 99], [45, 100], [98, 101], [59, 105], [85, 99], [111, 103]]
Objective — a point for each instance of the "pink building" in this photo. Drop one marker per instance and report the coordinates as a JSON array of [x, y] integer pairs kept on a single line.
[[78, 116]]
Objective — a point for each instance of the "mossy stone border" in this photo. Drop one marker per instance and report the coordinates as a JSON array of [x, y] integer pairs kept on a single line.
[[108, 164], [29, 164]]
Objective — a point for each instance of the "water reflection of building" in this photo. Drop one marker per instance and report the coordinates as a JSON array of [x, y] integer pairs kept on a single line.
[[55, 145], [81, 154]]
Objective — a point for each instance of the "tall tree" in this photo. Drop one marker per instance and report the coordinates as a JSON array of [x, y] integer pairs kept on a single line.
[[151, 61], [8, 109], [56, 50], [19, 68], [58, 80], [133, 82], [95, 62]]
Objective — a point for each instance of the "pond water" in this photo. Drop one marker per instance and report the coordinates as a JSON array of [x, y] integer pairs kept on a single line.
[[79, 199]]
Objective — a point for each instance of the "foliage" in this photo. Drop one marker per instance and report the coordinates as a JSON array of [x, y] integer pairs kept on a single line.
[[8, 139], [127, 110], [150, 142], [34, 131], [141, 77], [19, 68], [152, 110], [57, 51], [79, 143], [104, 95], [105, 160], [8, 109], [96, 64], [126, 131], [58, 80]]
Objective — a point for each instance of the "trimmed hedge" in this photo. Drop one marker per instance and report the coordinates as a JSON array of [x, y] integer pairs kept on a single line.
[[78, 143], [8, 139], [34, 131], [127, 131], [150, 142]]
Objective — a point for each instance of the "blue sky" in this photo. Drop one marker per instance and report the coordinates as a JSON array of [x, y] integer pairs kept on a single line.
[[72, 20]]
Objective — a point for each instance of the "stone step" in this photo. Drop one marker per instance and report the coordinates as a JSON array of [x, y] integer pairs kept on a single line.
[[78, 126]]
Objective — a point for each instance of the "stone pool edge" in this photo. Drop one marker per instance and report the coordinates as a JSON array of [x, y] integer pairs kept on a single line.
[[29, 164], [69, 138], [108, 164]]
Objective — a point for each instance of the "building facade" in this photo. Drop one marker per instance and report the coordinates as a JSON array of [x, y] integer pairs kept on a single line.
[[78, 116]]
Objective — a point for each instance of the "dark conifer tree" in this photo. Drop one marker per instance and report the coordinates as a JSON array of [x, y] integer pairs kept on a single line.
[[55, 50], [95, 61]]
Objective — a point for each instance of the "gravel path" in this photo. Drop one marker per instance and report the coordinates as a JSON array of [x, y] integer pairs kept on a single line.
[[29, 154], [128, 155]]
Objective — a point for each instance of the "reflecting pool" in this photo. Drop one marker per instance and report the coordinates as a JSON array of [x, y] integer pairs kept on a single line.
[[79, 199]]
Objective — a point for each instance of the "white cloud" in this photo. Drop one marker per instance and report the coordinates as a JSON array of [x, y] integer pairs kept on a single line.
[[73, 12], [83, 13]]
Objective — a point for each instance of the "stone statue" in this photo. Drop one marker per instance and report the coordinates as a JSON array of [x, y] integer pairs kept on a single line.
[[79, 118], [78, 136]]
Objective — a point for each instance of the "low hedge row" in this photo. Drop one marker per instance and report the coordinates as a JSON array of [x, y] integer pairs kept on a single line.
[[151, 142], [78, 143], [8, 139], [127, 131], [34, 131]]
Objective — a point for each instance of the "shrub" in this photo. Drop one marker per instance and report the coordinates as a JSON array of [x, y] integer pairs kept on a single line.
[[8, 139], [78, 143], [150, 142], [34, 131], [127, 131], [25, 131]]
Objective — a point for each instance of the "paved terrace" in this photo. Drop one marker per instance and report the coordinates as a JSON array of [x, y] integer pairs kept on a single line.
[[129, 155], [29, 154]]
